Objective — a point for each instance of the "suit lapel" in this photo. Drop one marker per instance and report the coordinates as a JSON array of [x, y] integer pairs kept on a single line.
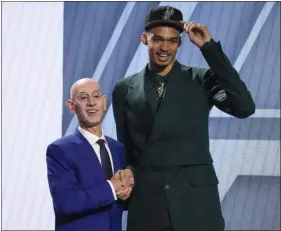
[[138, 100], [114, 154], [86, 151], [90, 155], [170, 110]]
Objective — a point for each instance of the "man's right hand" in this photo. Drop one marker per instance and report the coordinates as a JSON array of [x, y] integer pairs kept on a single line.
[[117, 184], [123, 181]]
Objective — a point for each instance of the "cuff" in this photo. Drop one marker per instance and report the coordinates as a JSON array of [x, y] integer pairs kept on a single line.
[[113, 190], [214, 56], [208, 45], [131, 168]]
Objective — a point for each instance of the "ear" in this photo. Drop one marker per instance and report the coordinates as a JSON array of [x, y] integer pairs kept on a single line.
[[179, 41], [70, 105], [144, 38]]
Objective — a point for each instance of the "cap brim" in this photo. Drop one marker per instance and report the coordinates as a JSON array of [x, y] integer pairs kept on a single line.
[[174, 24]]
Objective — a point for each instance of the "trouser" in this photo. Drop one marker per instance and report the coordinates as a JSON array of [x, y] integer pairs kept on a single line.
[[158, 206]]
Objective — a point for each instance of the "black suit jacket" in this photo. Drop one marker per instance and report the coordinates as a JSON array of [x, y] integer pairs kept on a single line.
[[177, 138]]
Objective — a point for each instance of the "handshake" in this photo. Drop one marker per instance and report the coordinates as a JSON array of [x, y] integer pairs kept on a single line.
[[123, 182]]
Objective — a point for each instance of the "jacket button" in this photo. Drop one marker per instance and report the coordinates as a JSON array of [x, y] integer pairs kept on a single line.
[[167, 187]]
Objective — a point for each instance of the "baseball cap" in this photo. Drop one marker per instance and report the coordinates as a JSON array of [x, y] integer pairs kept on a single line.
[[164, 16]]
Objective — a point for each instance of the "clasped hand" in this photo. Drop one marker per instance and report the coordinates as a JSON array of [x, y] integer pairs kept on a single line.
[[123, 182]]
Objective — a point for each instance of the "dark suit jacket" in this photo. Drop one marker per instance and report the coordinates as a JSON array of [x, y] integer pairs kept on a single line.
[[82, 197], [170, 152], [175, 182]]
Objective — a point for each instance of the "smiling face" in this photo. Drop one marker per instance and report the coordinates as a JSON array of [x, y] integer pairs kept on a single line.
[[163, 43], [87, 102]]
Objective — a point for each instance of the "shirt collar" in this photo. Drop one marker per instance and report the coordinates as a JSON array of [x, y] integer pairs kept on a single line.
[[90, 137], [155, 78]]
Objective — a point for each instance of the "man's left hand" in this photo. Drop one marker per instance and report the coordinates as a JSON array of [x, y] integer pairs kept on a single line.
[[127, 178], [197, 33]]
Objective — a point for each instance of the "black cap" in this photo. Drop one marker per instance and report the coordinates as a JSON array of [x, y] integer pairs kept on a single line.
[[164, 16]]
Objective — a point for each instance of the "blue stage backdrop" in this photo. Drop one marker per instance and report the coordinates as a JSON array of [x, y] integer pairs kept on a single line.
[[47, 46]]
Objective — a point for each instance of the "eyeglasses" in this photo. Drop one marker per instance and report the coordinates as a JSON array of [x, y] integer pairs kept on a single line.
[[84, 97]]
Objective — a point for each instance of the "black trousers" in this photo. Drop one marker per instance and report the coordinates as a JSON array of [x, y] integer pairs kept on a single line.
[[156, 190]]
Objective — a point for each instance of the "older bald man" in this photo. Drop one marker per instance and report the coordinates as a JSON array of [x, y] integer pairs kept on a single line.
[[83, 167]]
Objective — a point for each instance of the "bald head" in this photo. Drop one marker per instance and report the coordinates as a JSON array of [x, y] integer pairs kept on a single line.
[[87, 102], [82, 84]]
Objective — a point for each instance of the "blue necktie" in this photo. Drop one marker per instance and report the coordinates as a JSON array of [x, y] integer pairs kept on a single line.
[[105, 160]]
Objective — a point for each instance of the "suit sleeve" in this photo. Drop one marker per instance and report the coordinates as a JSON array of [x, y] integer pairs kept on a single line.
[[228, 92], [69, 197], [118, 98], [118, 104]]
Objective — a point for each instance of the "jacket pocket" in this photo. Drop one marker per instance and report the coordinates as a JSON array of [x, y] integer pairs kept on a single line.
[[201, 175]]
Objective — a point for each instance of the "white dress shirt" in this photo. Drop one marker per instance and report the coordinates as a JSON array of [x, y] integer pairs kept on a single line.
[[92, 139]]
